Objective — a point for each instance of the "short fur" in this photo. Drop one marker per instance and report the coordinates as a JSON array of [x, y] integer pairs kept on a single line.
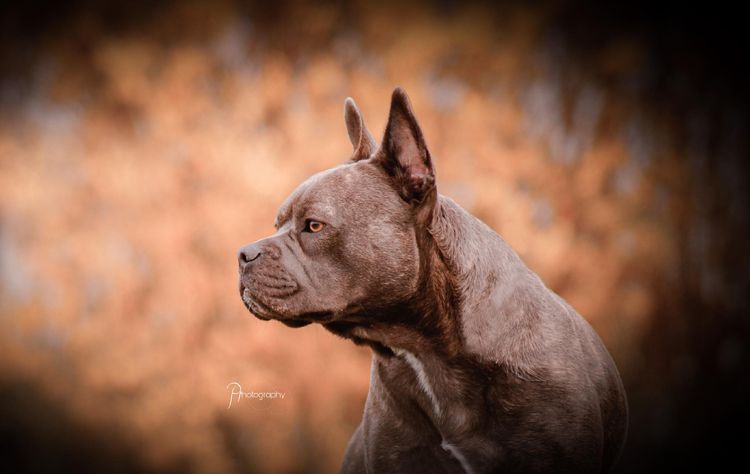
[[477, 366]]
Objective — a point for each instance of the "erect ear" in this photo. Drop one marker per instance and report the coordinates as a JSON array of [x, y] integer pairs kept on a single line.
[[404, 154], [360, 137]]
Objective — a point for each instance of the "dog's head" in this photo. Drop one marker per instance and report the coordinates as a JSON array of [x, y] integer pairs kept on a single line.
[[346, 244]]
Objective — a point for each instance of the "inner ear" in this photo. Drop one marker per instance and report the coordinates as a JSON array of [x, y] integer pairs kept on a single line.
[[404, 153], [362, 142]]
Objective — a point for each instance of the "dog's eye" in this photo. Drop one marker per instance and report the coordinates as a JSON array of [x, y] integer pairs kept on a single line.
[[313, 226]]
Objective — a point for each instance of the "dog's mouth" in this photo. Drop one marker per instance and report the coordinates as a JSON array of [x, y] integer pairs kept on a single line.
[[258, 309], [263, 293], [264, 312]]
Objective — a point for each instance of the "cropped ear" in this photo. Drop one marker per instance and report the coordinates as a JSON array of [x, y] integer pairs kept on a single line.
[[360, 137], [404, 154]]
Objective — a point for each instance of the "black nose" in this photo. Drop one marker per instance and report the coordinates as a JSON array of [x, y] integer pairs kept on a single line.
[[247, 254]]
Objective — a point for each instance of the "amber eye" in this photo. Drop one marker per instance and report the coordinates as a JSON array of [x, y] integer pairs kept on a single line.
[[314, 226]]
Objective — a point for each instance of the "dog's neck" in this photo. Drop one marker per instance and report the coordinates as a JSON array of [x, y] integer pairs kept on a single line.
[[502, 301]]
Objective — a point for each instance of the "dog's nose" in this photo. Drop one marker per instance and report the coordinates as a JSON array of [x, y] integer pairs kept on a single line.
[[247, 254]]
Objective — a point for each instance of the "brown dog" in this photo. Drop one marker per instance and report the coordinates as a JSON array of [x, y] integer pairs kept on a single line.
[[477, 366]]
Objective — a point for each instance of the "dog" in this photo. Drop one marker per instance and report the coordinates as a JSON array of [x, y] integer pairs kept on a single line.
[[477, 366]]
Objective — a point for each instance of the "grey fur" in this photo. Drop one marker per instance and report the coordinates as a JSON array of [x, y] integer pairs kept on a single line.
[[477, 366]]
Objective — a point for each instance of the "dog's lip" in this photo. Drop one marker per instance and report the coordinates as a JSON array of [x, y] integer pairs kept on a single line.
[[303, 320], [250, 303], [295, 323], [246, 296]]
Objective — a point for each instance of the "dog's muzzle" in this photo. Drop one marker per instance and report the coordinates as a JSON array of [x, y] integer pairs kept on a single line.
[[264, 283]]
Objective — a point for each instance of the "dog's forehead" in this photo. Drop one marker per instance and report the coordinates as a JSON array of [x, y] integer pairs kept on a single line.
[[327, 190]]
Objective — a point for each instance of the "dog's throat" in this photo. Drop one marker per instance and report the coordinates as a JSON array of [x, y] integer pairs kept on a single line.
[[355, 333]]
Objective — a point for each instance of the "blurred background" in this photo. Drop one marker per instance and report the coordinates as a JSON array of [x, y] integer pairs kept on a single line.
[[141, 144]]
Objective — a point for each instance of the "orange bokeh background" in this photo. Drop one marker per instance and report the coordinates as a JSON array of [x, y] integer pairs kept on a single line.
[[140, 149]]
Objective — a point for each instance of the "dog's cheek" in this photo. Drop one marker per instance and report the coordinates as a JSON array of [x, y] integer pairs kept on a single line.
[[386, 267], [329, 289]]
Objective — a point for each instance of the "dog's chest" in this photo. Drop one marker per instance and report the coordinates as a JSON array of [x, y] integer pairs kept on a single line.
[[425, 382], [424, 386]]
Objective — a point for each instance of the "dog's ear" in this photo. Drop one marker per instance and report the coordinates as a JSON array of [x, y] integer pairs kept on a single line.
[[404, 154], [360, 137]]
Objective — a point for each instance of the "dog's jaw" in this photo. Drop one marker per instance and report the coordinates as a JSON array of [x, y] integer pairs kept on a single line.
[[256, 308]]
